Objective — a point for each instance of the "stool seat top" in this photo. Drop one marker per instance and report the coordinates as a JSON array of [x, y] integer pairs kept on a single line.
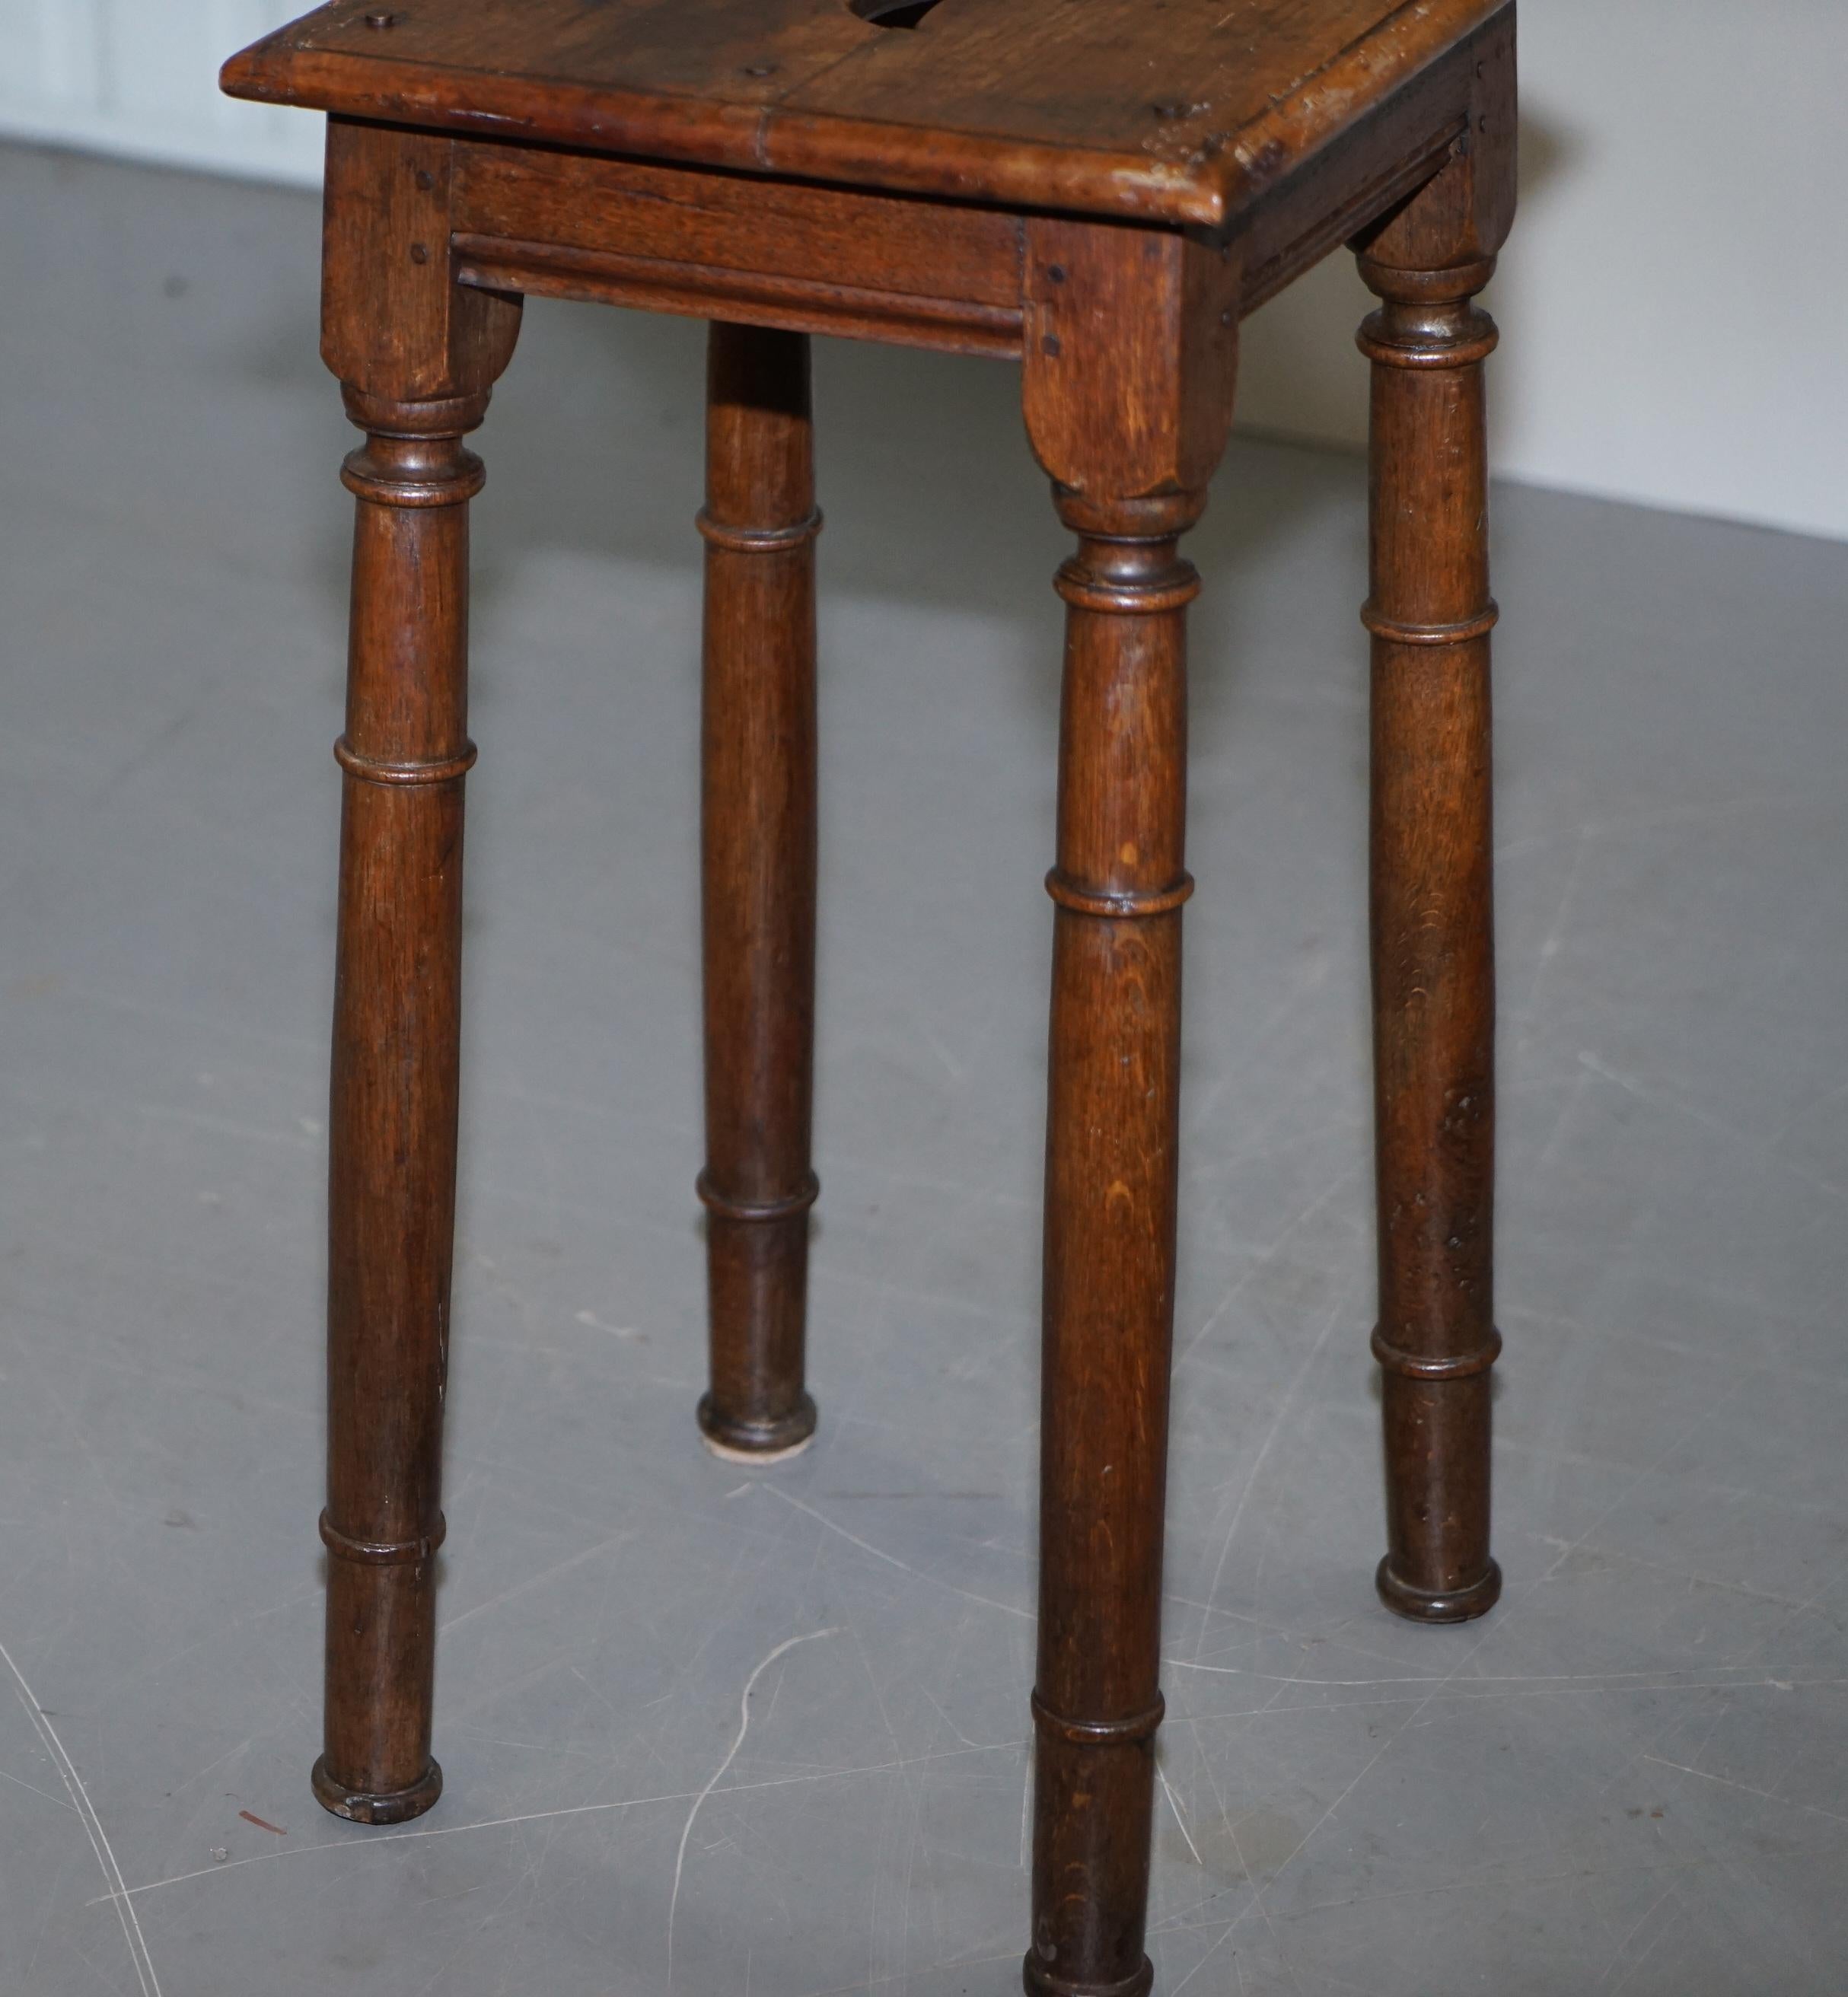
[[1170, 111]]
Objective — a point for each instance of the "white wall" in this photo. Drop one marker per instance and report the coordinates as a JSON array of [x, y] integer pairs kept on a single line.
[[140, 77], [1672, 303]]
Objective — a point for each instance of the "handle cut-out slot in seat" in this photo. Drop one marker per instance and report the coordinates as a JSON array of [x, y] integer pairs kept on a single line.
[[892, 13]]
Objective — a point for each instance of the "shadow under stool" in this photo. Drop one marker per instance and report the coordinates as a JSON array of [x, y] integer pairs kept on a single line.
[[1099, 190]]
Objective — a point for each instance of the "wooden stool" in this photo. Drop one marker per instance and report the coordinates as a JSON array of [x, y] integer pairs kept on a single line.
[[1098, 189]]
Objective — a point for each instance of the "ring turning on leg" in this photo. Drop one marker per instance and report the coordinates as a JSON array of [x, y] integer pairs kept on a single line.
[[758, 862], [392, 1142], [1430, 614], [1110, 1236], [416, 355]]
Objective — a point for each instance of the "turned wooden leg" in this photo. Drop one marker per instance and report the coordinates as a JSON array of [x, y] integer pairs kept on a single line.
[[1129, 358], [758, 853], [1110, 1217], [393, 1126], [1433, 953], [416, 354]]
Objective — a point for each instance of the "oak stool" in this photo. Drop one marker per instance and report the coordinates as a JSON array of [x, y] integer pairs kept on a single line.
[[1099, 190]]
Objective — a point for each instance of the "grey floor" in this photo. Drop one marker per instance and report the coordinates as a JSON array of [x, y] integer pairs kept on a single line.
[[1633, 1777]]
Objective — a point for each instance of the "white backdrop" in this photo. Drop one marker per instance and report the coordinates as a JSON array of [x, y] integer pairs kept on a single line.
[[1673, 304]]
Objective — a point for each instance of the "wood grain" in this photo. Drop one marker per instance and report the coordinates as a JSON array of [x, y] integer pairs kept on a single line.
[[1101, 190], [1026, 102], [758, 868], [417, 355], [871, 242], [1127, 390], [761, 251], [1429, 615]]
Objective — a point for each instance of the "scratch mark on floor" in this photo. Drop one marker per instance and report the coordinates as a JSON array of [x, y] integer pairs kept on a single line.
[[537, 1580], [1276, 1429], [1245, 1866], [892, 1560], [1203, 1960], [615, 1330], [1726, 1782], [1264, 1260], [731, 1754], [1556, 935], [1573, 1093], [81, 1802], [860, 1986], [1667, 1679], [1374, 1760], [1167, 1790], [1667, 1893], [1660, 1098], [36, 1790], [218, 1870]]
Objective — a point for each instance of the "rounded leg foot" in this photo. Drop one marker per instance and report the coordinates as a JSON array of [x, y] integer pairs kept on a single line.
[[1038, 1980], [363, 1807], [1419, 1605], [757, 1442]]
